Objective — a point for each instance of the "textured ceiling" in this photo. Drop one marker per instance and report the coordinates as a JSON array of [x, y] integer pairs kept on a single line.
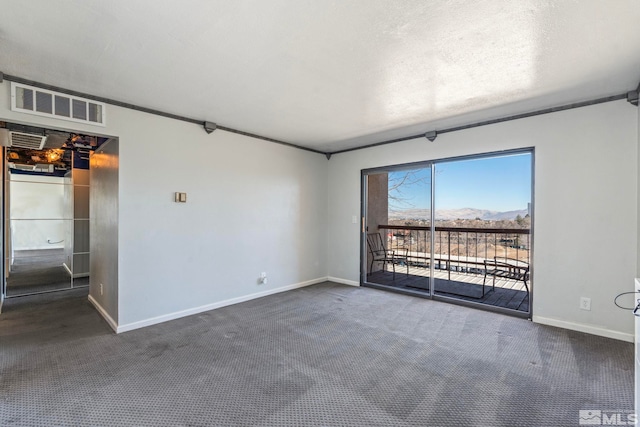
[[324, 74]]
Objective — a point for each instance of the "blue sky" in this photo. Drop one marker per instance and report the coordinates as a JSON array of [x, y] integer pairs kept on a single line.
[[496, 183]]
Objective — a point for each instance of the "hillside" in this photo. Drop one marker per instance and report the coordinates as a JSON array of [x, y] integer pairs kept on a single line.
[[451, 214]]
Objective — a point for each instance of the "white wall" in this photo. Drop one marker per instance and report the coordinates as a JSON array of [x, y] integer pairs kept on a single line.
[[586, 164], [253, 206], [638, 189], [636, 288]]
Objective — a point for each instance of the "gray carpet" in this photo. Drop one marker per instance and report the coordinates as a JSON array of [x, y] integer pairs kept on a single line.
[[322, 355]]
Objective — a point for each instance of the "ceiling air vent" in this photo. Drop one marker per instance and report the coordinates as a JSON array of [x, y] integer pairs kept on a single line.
[[57, 105], [26, 140]]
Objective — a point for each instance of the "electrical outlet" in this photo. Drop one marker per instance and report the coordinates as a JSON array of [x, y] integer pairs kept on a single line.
[[101, 290], [585, 303]]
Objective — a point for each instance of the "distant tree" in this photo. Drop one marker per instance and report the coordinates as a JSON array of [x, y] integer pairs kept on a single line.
[[399, 183], [519, 220]]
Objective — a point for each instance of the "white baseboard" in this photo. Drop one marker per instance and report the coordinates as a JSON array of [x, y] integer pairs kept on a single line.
[[580, 327], [191, 311], [343, 281], [104, 313]]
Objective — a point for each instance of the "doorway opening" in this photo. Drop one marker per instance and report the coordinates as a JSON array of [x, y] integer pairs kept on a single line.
[[46, 189], [458, 230]]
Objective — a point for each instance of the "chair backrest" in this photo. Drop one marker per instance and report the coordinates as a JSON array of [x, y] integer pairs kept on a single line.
[[374, 241], [523, 265]]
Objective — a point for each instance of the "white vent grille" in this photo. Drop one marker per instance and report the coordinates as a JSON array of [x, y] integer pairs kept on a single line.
[[42, 102], [26, 140], [40, 167]]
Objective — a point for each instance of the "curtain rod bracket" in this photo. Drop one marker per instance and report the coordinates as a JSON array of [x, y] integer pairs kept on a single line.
[[632, 97]]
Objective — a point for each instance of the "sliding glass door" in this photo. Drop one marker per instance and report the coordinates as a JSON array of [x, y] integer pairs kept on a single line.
[[46, 229], [454, 229]]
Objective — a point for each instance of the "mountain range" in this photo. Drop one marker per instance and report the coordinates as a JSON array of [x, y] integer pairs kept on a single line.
[[452, 214]]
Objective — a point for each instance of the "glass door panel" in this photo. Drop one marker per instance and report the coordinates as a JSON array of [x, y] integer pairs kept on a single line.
[[47, 212], [397, 240], [39, 208], [483, 230], [35, 259]]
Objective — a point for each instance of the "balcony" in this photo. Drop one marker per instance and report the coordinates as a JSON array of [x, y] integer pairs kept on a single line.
[[463, 258]]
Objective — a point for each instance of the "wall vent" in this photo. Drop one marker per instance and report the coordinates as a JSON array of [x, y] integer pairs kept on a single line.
[[26, 140], [40, 167], [42, 102]]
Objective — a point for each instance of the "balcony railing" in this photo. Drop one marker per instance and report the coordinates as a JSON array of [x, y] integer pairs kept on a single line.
[[458, 250]]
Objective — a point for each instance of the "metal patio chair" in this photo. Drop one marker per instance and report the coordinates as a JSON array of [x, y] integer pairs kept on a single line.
[[381, 254], [506, 268]]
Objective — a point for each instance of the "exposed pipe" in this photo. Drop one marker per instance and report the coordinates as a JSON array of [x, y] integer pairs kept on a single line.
[[134, 107], [493, 121], [631, 97]]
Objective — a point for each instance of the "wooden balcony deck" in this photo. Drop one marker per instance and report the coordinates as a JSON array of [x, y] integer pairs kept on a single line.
[[468, 286]]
